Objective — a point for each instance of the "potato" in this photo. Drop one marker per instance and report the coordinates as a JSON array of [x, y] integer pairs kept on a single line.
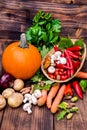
[[18, 84], [15, 100], [7, 92], [2, 102]]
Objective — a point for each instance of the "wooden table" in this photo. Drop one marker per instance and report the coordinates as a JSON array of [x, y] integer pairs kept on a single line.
[[15, 17]]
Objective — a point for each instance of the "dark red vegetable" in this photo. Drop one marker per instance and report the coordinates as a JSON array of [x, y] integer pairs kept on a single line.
[[73, 55], [56, 48], [5, 80], [76, 64], [70, 62], [68, 90], [74, 48], [77, 89], [62, 66]]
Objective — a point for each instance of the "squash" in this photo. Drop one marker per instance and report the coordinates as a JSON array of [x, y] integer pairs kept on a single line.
[[20, 59]]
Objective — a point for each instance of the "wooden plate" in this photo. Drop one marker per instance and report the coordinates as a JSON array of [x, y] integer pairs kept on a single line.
[[60, 81]]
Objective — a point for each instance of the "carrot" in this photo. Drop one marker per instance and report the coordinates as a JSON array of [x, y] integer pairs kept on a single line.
[[52, 94], [81, 75], [42, 100], [58, 98]]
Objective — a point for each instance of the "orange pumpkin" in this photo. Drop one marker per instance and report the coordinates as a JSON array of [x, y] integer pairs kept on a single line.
[[20, 59]]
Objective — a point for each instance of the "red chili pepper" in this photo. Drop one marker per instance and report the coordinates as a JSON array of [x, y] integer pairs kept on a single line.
[[77, 89], [56, 48], [68, 90], [62, 66], [78, 53], [70, 62], [74, 48], [73, 55], [76, 64]]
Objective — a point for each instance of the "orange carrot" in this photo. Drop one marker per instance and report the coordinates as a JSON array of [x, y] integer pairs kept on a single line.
[[81, 75], [42, 100], [51, 95], [58, 98]]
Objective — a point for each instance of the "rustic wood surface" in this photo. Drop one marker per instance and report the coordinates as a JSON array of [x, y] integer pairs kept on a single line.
[[15, 17]]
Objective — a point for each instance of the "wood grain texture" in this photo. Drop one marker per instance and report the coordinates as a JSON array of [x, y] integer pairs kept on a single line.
[[15, 17], [17, 119]]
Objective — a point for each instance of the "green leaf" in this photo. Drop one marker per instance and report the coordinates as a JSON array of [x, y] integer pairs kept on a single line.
[[47, 87], [37, 86], [65, 43], [38, 76], [48, 26], [48, 82], [83, 85], [44, 51], [61, 115], [56, 25], [54, 40], [79, 43]]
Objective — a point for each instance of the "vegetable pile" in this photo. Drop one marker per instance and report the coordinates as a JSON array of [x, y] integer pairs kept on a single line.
[[65, 59], [41, 37]]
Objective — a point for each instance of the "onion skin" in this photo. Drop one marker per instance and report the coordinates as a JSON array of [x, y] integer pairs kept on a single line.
[[5, 80]]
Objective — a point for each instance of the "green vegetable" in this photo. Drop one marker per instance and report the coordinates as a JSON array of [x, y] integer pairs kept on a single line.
[[66, 111], [73, 109], [79, 43], [44, 51], [45, 87], [65, 43], [69, 116], [63, 105], [44, 30], [74, 99], [83, 85], [61, 115]]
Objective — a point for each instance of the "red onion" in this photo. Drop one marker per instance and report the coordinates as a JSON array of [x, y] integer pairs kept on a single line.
[[6, 80]]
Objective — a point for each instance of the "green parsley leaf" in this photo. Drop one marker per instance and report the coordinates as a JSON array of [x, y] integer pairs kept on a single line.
[[44, 51]]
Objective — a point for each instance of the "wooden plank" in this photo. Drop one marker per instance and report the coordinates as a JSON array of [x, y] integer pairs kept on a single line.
[[60, 1], [17, 17], [17, 119]]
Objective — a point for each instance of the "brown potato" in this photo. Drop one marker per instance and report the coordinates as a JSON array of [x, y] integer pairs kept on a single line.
[[15, 100], [2, 102], [7, 92]]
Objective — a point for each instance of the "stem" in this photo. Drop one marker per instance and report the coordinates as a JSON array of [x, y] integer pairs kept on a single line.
[[23, 42]]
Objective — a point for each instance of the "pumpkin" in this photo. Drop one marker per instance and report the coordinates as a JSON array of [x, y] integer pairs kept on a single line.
[[20, 59]]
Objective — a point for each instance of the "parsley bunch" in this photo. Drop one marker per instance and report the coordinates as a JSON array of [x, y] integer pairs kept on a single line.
[[44, 30]]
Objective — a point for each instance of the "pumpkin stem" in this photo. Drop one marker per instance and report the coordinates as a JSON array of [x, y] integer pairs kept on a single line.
[[23, 42]]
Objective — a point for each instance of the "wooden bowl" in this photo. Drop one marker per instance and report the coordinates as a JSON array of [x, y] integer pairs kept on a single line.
[[62, 81]]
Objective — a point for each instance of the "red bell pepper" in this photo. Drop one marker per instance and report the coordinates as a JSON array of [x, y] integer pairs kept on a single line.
[[77, 89], [68, 90]]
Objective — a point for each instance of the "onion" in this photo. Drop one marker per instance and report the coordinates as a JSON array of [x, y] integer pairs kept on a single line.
[[6, 80]]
